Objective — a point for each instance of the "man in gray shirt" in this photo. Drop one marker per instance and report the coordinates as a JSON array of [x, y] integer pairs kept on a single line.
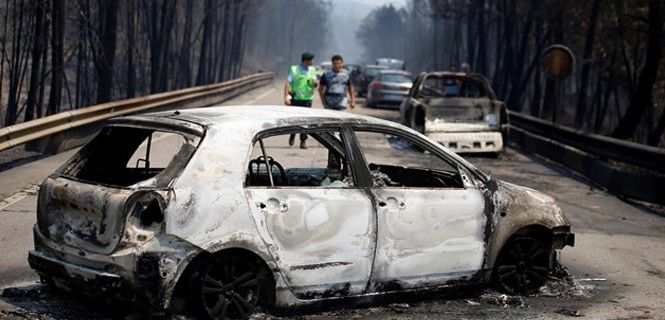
[[334, 86]]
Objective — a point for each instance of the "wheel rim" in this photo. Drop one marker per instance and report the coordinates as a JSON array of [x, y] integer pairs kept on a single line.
[[523, 265], [230, 289]]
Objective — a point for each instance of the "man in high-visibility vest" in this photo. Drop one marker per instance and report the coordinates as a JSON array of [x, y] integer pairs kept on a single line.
[[299, 89]]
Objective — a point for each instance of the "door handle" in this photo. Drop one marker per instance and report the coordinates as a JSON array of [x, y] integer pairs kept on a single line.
[[273, 205], [394, 203]]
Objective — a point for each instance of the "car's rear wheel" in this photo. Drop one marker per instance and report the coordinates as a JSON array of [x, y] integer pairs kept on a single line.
[[523, 265], [232, 287]]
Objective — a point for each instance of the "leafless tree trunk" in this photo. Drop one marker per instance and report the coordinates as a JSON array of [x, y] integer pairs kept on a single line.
[[202, 74], [132, 21], [586, 64], [35, 68], [105, 58], [57, 55], [641, 100]]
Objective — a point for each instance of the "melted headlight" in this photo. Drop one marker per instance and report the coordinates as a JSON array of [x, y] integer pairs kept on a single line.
[[492, 120]]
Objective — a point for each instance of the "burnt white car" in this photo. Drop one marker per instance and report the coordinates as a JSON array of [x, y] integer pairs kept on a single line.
[[458, 110], [210, 210]]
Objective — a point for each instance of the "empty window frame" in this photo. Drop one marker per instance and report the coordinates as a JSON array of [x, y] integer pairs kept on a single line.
[[323, 164], [452, 87], [399, 161], [123, 156]]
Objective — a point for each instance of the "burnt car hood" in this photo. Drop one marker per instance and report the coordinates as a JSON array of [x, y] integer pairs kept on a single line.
[[528, 205]]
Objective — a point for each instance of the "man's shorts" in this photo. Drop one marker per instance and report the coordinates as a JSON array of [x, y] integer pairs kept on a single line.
[[302, 103]]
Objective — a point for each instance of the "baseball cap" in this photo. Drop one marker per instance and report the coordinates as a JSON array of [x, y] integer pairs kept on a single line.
[[307, 56]]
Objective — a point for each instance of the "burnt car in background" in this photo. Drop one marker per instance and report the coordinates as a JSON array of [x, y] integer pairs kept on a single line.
[[354, 73], [391, 63], [367, 74], [209, 210], [458, 110], [389, 88]]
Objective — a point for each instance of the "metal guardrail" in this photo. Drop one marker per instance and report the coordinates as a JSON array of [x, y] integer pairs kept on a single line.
[[590, 155], [601, 146], [43, 127]]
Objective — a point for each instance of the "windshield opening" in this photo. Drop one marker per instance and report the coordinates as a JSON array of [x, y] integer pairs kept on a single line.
[[395, 77], [453, 87]]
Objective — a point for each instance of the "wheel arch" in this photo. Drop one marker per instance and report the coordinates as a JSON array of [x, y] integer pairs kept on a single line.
[[178, 299], [538, 231]]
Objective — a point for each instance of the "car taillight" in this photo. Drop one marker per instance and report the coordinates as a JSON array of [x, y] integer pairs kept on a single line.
[[377, 85], [145, 216]]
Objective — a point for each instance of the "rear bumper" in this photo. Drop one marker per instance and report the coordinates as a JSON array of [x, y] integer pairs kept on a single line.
[[469, 142], [147, 273], [386, 97], [52, 267]]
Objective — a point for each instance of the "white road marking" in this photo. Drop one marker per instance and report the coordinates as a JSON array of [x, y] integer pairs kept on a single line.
[[16, 197], [20, 285], [261, 96]]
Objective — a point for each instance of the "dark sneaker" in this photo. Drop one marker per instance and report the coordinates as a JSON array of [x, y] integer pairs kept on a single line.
[[302, 145], [292, 139]]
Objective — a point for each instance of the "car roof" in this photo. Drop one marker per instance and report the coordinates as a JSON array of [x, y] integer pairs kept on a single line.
[[264, 116], [394, 71]]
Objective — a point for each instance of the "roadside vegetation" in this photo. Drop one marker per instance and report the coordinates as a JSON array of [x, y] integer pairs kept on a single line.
[[617, 87]]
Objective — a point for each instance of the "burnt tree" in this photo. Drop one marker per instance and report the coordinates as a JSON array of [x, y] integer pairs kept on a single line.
[[641, 99]]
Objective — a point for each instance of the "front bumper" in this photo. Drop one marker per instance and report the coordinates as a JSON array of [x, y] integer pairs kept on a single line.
[[146, 273], [561, 237], [469, 142]]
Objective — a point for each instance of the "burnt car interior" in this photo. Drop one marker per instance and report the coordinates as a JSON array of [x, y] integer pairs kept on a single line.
[[123, 156], [323, 164], [435, 87], [396, 161]]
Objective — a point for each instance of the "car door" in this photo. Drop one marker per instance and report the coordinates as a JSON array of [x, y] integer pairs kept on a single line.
[[319, 226], [430, 222]]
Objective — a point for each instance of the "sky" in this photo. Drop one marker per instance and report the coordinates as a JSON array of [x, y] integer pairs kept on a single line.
[[397, 3], [347, 15]]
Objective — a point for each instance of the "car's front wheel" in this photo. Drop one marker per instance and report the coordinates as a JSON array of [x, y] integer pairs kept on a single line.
[[523, 265], [232, 287]]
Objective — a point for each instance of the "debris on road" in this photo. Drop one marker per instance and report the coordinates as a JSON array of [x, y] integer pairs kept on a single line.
[[473, 303], [568, 312], [562, 284], [504, 300], [399, 307]]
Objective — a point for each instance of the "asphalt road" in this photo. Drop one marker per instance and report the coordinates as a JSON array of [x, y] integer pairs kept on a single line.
[[617, 267]]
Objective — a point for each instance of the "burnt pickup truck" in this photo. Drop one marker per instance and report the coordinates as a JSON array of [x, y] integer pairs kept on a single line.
[[458, 110]]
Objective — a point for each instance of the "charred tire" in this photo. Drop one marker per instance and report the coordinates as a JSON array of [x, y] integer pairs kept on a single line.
[[231, 287], [50, 283], [523, 265]]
